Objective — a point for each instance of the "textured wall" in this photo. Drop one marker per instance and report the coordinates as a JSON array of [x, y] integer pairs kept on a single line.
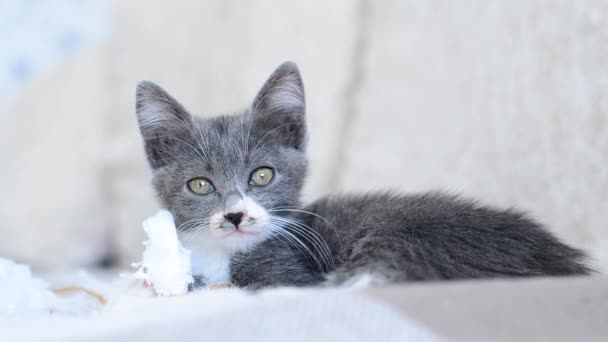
[[501, 100]]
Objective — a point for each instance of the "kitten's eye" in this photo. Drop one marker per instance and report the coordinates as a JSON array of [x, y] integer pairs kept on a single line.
[[201, 186], [261, 176]]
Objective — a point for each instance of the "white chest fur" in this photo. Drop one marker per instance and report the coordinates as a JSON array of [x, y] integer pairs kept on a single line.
[[209, 260]]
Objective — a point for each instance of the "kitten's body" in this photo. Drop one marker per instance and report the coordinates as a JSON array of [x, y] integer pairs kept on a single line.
[[397, 238], [275, 241]]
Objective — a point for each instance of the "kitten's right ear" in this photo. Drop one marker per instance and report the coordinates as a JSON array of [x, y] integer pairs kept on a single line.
[[279, 107], [163, 122]]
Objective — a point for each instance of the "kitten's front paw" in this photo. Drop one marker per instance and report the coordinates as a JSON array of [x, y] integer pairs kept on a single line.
[[198, 284]]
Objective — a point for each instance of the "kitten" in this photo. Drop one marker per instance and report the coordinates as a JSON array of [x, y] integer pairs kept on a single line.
[[233, 185]]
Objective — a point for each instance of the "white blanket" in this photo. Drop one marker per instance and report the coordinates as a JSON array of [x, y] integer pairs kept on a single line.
[[228, 315]]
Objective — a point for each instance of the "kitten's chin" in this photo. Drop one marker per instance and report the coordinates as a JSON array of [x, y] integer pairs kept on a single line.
[[242, 240]]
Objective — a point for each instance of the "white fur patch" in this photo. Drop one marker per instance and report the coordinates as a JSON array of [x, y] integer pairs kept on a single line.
[[364, 280], [209, 259], [252, 230]]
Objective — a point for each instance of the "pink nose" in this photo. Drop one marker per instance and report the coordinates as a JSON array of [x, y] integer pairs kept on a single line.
[[234, 218]]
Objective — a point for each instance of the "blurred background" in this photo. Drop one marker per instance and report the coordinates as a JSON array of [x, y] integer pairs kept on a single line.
[[506, 101]]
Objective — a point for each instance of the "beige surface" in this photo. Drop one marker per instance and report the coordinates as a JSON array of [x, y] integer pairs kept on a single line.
[[501, 100], [558, 309]]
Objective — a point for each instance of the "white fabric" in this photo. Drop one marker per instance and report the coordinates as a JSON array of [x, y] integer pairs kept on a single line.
[[229, 315]]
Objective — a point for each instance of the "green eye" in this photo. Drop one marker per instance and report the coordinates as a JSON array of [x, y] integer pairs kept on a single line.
[[201, 186], [261, 176]]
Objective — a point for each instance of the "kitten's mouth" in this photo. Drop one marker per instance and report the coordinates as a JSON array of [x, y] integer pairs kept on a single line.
[[239, 232]]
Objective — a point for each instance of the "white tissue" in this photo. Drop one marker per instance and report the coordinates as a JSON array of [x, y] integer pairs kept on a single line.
[[166, 263], [22, 294]]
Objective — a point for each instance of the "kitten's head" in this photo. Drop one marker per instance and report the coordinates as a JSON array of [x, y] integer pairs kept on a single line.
[[223, 178]]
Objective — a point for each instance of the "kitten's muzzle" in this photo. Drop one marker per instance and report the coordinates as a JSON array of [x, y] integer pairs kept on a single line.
[[234, 218]]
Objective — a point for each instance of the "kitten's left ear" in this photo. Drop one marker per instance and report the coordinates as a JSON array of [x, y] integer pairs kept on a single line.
[[280, 108], [165, 124]]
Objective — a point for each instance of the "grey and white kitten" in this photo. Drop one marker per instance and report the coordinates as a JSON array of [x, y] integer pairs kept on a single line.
[[233, 184]]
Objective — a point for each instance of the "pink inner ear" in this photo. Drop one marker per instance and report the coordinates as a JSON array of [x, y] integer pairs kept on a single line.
[[282, 92]]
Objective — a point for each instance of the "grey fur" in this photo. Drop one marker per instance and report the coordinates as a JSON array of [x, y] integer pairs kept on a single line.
[[392, 237], [429, 236]]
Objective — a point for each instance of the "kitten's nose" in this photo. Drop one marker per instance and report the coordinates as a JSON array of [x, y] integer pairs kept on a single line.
[[234, 218]]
